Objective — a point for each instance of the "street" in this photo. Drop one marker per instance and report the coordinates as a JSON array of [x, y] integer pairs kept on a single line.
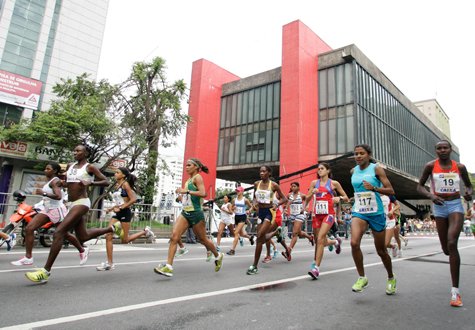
[[281, 296]]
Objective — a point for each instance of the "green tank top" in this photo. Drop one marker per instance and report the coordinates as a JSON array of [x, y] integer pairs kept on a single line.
[[191, 203]]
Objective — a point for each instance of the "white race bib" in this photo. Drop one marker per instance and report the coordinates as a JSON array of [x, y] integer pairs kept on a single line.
[[365, 202], [240, 210], [295, 208], [446, 183], [321, 207], [186, 202], [263, 196]]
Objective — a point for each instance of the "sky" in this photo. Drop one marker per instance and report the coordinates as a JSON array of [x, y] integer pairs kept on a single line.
[[422, 46]]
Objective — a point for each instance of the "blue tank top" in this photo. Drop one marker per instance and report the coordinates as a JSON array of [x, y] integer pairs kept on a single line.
[[369, 175]]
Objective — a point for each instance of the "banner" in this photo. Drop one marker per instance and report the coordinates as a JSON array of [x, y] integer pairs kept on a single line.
[[19, 90]]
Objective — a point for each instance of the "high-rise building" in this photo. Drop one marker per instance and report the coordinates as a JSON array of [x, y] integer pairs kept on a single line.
[[169, 180], [42, 41], [432, 109]]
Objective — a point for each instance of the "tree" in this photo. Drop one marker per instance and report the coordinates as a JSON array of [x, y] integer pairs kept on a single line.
[[154, 112]]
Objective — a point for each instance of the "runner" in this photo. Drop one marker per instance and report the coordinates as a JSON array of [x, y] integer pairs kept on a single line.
[[390, 205], [240, 203], [264, 191], [322, 189], [369, 181], [445, 175], [297, 215], [79, 176], [276, 229], [54, 211], [192, 215], [227, 220], [471, 216], [124, 197]]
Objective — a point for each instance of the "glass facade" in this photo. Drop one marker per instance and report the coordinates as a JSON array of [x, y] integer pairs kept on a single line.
[[22, 38], [249, 127], [355, 108]]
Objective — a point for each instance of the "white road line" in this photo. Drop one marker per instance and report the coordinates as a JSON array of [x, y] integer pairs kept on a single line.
[[128, 308]]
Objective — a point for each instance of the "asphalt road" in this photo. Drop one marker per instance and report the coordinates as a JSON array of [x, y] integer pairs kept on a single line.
[[281, 296]]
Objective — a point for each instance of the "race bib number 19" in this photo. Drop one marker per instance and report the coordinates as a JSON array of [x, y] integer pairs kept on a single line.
[[365, 202]]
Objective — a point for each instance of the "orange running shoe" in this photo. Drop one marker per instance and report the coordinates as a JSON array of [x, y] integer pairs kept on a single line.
[[456, 300]]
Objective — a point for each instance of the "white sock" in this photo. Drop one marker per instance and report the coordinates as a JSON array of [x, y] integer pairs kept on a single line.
[[455, 290], [170, 266]]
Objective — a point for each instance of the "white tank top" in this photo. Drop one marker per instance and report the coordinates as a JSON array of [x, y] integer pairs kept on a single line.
[[50, 203], [240, 206], [77, 174]]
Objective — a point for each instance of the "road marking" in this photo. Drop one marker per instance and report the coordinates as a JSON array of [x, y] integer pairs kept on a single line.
[[128, 308]]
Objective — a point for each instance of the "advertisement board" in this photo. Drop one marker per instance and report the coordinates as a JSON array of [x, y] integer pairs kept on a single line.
[[19, 90]]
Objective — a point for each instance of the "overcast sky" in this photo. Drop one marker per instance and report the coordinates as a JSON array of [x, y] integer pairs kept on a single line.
[[423, 47]]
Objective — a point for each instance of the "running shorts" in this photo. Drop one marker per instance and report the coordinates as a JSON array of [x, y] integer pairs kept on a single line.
[[449, 207], [319, 219]]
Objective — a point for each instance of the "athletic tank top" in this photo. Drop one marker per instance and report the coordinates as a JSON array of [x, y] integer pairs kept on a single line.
[[296, 205], [388, 206], [445, 182], [190, 202], [226, 216], [118, 196], [76, 174], [240, 206], [264, 196], [323, 198], [366, 201], [50, 203]]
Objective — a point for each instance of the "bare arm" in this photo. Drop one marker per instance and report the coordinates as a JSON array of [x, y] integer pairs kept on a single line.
[[466, 181], [421, 189], [100, 179]]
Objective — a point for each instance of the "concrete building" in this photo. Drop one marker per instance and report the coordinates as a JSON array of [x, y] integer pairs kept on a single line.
[[42, 41], [432, 109], [316, 107], [169, 180]]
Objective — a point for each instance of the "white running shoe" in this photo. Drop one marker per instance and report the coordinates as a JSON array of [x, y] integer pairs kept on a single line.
[[83, 255], [181, 252], [394, 250], [399, 254], [23, 262], [105, 266], [149, 233]]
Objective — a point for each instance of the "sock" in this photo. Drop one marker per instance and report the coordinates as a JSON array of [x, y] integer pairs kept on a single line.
[[170, 266], [455, 290], [362, 277]]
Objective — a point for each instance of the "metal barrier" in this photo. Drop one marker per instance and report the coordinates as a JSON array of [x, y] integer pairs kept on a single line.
[[142, 215]]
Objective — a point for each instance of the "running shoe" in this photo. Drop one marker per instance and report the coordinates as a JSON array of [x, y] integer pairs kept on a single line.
[[83, 256], [267, 259], [181, 252], [23, 262], [218, 262], [251, 270], [394, 250], [338, 246], [117, 229], [105, 266], [391, 286], [312, 240], [149, 233], [406, 241], [251, 239], [399, 253], [275, 254], [208, 256], [218, 249], [287, 254], [231, 252], [241, 241], [360, 284], [314, 273], [11, 242], [278, 233], [330, 248], [456, 300], [38, 276], [164, 270]]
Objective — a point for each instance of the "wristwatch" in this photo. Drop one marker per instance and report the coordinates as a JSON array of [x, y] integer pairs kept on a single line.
[[45, 194]]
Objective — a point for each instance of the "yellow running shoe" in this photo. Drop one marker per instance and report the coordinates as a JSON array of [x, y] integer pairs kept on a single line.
[[218, 262], [38, 276], [360, 284]]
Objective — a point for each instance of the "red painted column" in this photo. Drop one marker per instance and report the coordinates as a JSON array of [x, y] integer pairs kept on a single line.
[[202, 133], [299, 102]]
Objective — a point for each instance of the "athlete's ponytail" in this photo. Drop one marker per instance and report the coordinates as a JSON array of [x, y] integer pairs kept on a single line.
[[199, 164], [129, 177]]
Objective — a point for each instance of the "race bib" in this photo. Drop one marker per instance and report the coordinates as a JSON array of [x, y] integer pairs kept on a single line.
[[321, 207], [240, 210], [186, 202], [365, 202], [295, 208], [263, 196], [446, 183]]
